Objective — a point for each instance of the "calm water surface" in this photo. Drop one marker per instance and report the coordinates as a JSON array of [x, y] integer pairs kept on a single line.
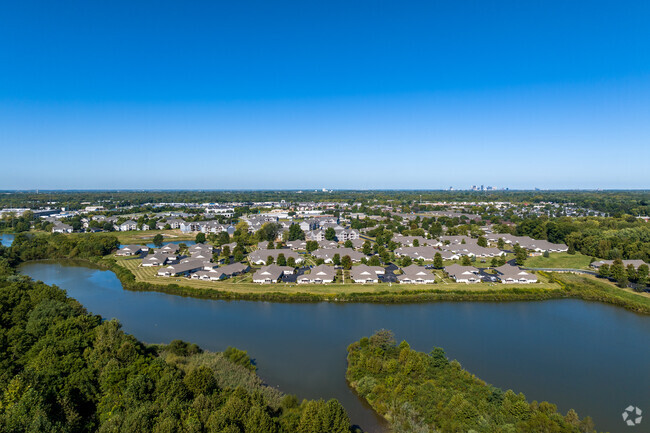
[[587, 356]]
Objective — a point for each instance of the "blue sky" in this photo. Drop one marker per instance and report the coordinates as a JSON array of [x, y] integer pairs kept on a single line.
[[291, 95]]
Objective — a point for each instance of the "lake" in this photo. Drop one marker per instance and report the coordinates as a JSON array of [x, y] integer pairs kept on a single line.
[[587, 356]]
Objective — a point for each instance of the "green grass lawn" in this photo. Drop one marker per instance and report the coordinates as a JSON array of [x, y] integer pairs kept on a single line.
[[559, 260], [146, 236], [599, 289], [244, 284]]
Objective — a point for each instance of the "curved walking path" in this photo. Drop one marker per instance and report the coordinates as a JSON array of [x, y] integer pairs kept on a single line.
[[578, 271]]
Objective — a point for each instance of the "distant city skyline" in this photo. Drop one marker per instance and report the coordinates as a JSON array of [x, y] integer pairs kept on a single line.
[[258, 95]]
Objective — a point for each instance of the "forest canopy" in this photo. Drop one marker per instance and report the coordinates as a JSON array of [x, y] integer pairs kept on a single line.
[[65, 370], [426, 392]]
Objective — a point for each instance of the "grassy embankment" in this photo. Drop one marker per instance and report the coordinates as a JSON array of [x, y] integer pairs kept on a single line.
[[591, 288], [554, 286], [97, 249], [559, 260], [141, 237], [244, 284]]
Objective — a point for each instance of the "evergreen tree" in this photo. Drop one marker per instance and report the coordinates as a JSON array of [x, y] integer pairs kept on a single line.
[[616, 270], [437, 261], [631, 273], [225, 251], [642, 276], [310, 421], [334, 418], [521, 256], [603, 270], [258, 420]]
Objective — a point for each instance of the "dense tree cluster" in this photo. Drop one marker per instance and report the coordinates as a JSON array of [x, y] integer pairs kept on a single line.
[[607, 238], [622, 275], [64, 370], [268, 232], [57, 245], [17, 224], [420, 392]]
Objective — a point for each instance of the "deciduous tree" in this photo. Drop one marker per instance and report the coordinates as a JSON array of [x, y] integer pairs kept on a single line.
[[330, 234], [295, 233], [158, 240]]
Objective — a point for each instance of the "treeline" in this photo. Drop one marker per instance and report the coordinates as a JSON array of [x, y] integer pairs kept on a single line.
[[612, 202], [65, 370], [425, 392], [606, 238], [60, 246], [18, 224]]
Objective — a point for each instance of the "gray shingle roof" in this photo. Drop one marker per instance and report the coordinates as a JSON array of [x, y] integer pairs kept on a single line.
[[320, 273], [364, 273]]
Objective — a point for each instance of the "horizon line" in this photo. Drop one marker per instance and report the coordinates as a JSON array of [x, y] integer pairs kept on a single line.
[[327, 190]]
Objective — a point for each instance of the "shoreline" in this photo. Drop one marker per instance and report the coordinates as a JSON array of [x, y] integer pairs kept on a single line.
[[570, 287]]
